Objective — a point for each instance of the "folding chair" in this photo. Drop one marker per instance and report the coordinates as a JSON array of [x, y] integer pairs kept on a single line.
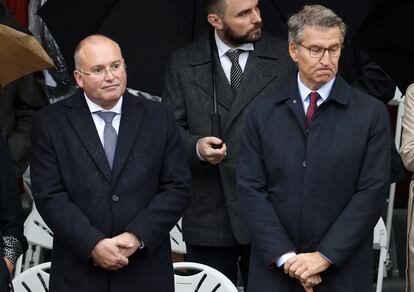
[[380, 243], [202, 278], [399, 101], [35, 279]]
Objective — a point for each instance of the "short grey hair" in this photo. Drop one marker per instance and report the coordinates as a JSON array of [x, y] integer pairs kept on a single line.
[[316, 16]]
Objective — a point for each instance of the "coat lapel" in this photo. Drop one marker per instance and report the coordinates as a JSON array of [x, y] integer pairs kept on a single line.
[[131, 119], [81, 120], [201, 64], [258, 73], [289, 94]]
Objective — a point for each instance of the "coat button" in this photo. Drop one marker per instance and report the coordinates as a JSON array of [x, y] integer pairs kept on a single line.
[[304, 163], [115, 198]]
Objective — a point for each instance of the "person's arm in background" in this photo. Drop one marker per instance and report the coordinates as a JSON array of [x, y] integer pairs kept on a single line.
[[20, 100], [407, 143], [12, 241]]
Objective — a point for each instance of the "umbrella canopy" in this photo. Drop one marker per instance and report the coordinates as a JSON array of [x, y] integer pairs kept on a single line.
[[385, 36], [147, 31], [20, 54]]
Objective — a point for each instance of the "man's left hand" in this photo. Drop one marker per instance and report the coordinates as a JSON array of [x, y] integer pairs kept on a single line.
[[305, 265], [127, 243]]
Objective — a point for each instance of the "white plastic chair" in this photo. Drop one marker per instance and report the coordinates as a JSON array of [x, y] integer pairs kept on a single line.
[[38, 236], [380, 243], [176, 237], [202, 279], [35, 279]]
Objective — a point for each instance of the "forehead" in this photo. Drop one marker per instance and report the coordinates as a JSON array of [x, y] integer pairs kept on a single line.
[[235, 6], [99, 52], [320, 36]]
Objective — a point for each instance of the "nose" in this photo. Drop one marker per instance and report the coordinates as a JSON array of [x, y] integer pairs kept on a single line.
[[326, 58], [256, 16], [109, 75]]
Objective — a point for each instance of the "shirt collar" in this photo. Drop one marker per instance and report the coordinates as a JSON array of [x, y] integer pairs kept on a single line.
[[93, 107], [223, 48], [323, 91]]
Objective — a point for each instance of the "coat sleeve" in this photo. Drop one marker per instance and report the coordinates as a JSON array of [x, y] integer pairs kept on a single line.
[[167, 206], [29, 97], [173, 95], [68, 223], [268, 235], [407, 143], [357, 220], [12, 241]]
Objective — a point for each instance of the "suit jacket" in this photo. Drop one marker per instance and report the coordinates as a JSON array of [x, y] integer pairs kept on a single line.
[[407, 155], [213, 217], [321, 190], [11, 223], [82, 201]]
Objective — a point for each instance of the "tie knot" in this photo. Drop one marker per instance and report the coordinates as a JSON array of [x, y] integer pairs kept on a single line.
[[107, 116], [314, 96], [234, 55]]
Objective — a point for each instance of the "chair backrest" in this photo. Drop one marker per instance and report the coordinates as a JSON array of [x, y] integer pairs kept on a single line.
[[36, 230], [176, 237], [380, 235], [35, 279], [190, 277]]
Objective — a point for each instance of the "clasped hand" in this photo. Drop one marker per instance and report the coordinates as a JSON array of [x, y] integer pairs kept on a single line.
[[112, 253], [306, 267]]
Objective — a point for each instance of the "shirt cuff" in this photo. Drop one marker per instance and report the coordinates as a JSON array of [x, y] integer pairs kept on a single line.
[[284, 258], [198, 153]]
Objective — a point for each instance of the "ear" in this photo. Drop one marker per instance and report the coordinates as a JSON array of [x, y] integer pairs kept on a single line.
[[78, 78], [215, 21], [293, 51]]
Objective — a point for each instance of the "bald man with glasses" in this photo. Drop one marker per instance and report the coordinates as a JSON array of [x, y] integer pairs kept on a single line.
[[110, 179]]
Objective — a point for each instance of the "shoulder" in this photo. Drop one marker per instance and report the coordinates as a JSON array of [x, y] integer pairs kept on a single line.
[[149, 102], [196, 49]]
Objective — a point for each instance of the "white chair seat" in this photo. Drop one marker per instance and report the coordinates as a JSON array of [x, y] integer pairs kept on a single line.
[[202, 279]]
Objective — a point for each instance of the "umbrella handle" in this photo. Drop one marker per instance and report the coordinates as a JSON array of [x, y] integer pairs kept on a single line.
[[216, 128]]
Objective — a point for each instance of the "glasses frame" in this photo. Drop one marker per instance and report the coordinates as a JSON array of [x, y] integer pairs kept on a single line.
[[106, 70], [341, 47]]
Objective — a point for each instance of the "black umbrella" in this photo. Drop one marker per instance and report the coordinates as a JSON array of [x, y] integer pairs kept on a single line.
[[385, 36], [147, 31], [276, 12]]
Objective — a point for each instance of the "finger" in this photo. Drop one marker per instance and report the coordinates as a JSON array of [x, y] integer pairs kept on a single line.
[[124, 244], [293, 269], [299, 273]]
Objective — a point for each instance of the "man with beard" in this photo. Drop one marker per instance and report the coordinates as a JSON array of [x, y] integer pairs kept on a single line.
[[247, 63]]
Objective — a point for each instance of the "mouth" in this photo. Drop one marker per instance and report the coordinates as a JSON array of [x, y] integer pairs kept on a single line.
[[109, 87]]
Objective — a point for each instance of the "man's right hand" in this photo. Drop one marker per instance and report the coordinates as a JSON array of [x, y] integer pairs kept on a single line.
[[208, 153], [106, 254]]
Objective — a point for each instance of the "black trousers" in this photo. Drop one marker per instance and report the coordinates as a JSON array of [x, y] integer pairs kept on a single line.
[[227, 259]]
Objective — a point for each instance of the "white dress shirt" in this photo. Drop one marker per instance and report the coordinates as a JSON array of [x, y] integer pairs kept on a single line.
[[222, 49], [99, 122]]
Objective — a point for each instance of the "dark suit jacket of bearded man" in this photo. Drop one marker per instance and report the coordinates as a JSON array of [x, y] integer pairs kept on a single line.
[[213, 216]]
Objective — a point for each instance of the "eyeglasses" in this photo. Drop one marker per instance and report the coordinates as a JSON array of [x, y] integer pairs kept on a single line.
[[318, 52], [99, 72]]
